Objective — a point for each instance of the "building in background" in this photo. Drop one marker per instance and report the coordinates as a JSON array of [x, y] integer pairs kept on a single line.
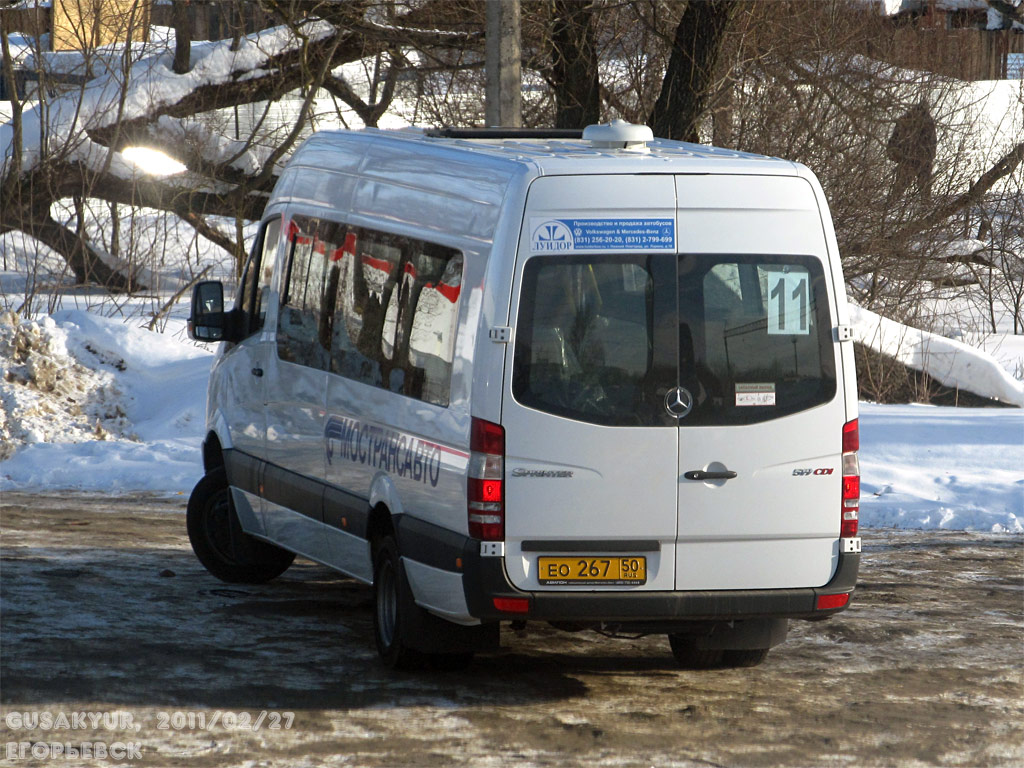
[[84, 25]]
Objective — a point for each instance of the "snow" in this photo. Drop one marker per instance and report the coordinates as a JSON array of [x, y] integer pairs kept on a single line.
[[151, 84], [99, 404], [62, 375], [950, 362], [938, 467]]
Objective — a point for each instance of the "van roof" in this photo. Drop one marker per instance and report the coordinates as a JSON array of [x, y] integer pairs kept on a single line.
[[558, 156]]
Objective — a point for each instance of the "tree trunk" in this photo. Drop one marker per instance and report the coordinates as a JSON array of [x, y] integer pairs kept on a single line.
[[182, 19], [574, 63], [691, 66]]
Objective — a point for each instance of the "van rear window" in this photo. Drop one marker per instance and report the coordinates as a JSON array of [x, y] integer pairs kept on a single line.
[[605, 339], [755, 337], [595, 338]]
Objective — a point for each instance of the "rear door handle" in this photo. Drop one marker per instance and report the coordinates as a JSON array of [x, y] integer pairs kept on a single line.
[[700, 474], [257, 371]]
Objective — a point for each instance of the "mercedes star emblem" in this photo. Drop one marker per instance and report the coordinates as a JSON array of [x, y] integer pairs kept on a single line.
[[678, 402]]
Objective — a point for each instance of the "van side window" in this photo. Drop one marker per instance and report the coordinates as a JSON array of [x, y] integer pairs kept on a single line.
[[386, 307], [247, 290], [268, 258], [300, 337], [395, 314]]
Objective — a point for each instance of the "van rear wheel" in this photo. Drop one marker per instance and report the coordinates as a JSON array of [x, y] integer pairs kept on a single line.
[[393, 604], [397, 617], [690, 656], [220, 544], [744, 658]]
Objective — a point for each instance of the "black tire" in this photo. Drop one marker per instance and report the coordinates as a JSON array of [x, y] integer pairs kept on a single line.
[[450, 662], [744, 658], [393, 607], [217, 538], [689, 656]]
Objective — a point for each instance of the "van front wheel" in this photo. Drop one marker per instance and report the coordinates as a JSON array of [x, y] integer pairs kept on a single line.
[[217, 538]]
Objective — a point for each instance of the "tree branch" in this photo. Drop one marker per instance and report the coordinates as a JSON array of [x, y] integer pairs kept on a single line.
[[1006, 165], [82, 258], [203, 227]]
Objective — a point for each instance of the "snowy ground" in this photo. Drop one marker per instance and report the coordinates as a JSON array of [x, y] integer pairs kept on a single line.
[[98, 404]]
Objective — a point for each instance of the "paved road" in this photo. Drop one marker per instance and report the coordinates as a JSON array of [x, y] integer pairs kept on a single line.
[[106, 613]]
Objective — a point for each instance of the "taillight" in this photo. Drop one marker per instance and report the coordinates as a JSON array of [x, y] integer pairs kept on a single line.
[[486, 484], [851, 481]]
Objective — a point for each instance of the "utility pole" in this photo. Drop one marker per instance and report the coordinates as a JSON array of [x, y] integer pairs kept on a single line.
[[503, 100]]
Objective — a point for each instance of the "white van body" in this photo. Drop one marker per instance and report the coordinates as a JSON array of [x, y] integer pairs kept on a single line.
[[656, 330]]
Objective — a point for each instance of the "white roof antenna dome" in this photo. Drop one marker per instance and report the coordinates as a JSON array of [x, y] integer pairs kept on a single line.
[[619, 134]]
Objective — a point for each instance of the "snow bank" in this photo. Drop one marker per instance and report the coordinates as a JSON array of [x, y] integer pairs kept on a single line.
[[952, 363], [47, 395], [931, 467], [91, 403]]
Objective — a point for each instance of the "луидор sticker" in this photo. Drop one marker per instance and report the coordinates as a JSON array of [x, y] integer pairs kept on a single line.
[[571, 235], [755, 394]]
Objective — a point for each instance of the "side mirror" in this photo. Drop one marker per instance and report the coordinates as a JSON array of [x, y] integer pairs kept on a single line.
[[207, 322]]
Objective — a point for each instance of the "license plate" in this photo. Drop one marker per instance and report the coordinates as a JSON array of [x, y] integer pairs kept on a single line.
[[619, 571]]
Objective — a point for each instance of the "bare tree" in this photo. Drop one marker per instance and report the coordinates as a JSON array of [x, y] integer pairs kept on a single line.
[[574, 66], [796, 80], [73, 148]]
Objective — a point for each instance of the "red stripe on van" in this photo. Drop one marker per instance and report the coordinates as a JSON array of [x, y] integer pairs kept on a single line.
[[446, 449]]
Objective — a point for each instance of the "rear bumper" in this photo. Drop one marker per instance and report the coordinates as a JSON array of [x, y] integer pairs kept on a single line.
[[484, 580]]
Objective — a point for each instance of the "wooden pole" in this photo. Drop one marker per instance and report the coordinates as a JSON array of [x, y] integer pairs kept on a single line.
[[503, 100]]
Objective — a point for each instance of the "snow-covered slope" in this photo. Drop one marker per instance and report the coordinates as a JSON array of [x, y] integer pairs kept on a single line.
[[952, 363]]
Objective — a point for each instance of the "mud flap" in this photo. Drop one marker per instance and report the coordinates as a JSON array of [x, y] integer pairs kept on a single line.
[[427, 633]]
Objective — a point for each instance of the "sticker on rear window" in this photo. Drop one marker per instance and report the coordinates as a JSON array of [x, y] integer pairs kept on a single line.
[[571, 235], [755, 394], [789, 305]]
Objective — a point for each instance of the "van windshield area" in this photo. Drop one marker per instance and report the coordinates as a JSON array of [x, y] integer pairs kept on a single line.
[[608, 339]]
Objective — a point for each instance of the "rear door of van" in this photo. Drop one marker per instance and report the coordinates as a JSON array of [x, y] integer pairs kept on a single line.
[[670, 413], [760, 451], [591, 455]]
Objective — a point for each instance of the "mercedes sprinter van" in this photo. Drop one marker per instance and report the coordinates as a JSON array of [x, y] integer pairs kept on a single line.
[[590, 378]]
